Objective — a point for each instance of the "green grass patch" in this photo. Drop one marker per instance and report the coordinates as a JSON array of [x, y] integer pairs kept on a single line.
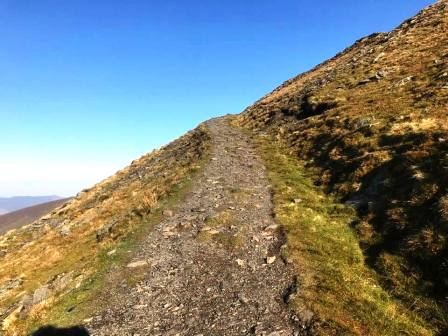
[[223, 219], [335, 282]]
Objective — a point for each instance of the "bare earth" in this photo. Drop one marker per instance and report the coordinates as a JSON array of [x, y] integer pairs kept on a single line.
[[204, 278]]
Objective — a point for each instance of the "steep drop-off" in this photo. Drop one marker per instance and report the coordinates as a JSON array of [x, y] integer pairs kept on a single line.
[[18, 218]]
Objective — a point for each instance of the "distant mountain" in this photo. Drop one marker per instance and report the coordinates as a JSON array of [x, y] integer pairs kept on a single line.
[[9, 204], [27, 215]]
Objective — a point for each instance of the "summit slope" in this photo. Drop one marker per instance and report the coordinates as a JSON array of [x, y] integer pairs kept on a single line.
[[373, 121]]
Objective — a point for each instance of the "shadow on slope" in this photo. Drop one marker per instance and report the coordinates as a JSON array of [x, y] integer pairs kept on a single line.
[[52, 331]]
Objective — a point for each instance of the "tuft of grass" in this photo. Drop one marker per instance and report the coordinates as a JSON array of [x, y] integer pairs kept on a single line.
[[223, 219], [240, 195], [335, 281]]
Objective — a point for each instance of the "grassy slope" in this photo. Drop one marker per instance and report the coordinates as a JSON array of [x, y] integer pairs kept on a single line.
[[71, 242], [374, 121], [83, 302], [334, 280]]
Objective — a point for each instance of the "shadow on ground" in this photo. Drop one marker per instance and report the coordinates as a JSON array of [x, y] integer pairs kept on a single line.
[[52, 331]]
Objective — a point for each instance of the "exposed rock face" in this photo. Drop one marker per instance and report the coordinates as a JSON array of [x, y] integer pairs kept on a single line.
[[41, 294], [9, 285], [374, 120]]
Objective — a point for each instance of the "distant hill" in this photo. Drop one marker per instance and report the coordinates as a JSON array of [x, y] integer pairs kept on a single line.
[[9, 204], [27, 215]]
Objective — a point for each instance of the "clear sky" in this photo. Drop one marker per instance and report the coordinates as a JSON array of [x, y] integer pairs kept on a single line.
[[86, 86]]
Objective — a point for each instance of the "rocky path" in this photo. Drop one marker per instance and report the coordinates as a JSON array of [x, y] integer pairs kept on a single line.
[[213, 267]]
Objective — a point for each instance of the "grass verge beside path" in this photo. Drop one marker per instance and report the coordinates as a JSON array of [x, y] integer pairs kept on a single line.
[[334, 281], [83, 302]]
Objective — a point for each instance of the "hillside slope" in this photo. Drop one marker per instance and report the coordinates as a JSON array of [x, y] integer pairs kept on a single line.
[[374, 121], [18, 218], [62, 256]]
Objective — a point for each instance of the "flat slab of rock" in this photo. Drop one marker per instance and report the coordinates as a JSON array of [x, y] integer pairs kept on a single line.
[[41, 294]]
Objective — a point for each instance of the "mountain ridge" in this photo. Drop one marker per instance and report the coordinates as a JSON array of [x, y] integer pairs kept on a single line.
[[64, 253], [8, 204], [374, 121], [23, 216]]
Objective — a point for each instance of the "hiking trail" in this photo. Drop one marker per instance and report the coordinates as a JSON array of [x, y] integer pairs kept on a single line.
[[213, 266]]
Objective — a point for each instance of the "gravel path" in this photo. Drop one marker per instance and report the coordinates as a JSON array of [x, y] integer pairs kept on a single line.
[[213, 267]]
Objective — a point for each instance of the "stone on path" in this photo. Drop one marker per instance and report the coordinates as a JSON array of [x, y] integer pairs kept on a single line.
[[138, 263], [270, 260]]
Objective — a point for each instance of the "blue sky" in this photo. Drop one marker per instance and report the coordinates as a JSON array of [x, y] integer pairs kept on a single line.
[[88, 86]]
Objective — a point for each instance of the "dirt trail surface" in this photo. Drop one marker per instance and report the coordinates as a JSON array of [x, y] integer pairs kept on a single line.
[[213, 266]]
